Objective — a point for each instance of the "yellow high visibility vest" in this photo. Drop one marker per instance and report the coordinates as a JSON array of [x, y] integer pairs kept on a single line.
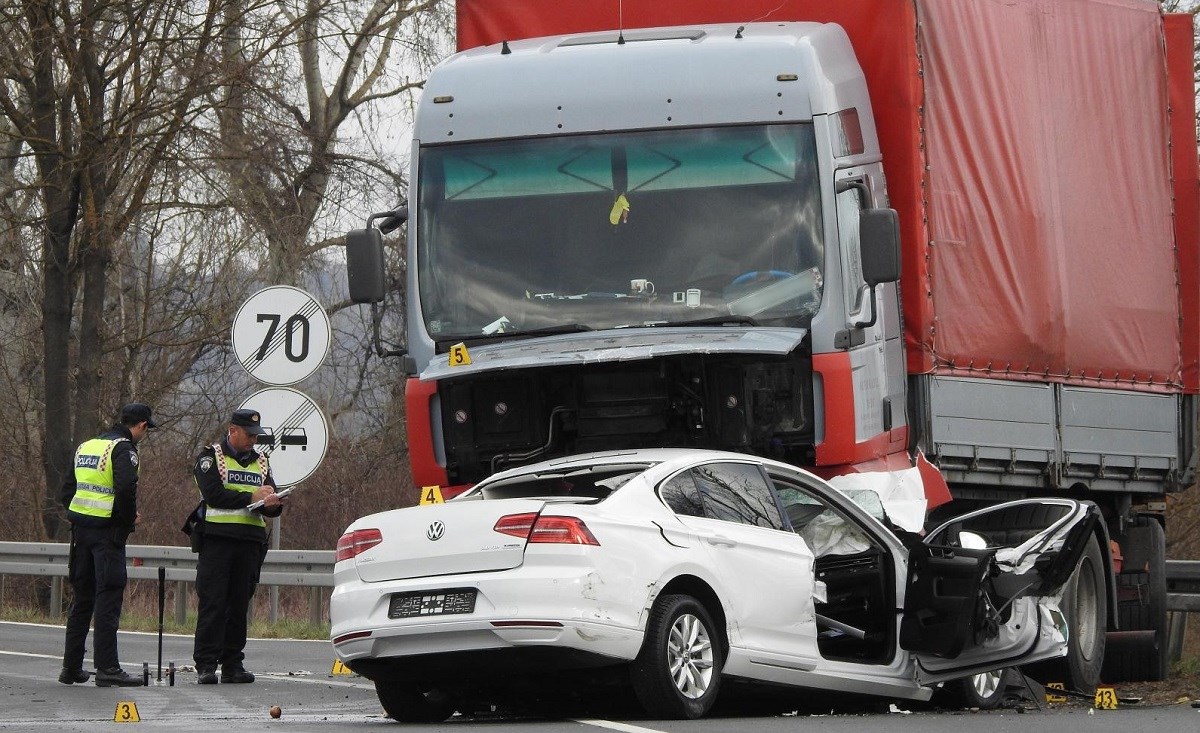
[[236, 477], [94, 489]]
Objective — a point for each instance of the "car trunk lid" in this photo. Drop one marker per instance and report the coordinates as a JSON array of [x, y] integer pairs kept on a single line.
[[443, 539]]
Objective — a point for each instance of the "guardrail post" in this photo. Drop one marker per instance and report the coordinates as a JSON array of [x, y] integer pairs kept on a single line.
[[181, 590], [314, 606], [56, 597], [1176, 630]]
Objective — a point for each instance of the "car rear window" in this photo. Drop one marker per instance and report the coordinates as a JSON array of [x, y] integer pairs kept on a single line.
[[591, 483]]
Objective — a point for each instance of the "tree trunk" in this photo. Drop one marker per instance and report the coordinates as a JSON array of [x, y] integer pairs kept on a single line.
[[57, 446]]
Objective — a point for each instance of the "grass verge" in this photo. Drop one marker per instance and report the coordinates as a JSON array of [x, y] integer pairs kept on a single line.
[[284, 628]]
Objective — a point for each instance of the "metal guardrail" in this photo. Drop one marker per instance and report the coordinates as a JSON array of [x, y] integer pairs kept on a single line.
[[1183, 585], [307, 568], [314, 569]]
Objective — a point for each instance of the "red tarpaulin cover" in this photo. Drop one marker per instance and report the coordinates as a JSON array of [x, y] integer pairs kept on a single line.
[[1026, 145]]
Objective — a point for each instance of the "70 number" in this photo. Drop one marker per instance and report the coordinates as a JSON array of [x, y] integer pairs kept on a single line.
[[295, 326]]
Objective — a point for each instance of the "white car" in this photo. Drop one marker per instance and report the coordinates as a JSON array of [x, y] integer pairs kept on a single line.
[[673, 569]]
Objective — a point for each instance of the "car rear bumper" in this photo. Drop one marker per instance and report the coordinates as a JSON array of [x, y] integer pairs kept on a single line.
[[569, 611]]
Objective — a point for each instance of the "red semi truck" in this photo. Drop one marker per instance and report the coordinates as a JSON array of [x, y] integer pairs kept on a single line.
[[838, 233]]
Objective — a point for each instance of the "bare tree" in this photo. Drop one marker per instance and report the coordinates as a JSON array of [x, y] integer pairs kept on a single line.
[[97, 93], [282, 122], [148, 151]]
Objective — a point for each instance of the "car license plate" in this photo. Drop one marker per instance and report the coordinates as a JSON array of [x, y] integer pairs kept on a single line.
[[432, 603]]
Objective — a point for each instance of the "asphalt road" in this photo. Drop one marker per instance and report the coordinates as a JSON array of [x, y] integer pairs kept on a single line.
[[296, 676]]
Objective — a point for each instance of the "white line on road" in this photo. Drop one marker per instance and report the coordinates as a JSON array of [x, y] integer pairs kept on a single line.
[[611, 725]]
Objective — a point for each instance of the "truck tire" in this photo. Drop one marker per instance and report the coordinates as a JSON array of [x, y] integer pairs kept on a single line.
[[407, 703], [678, 672], [1143, 657], [1085, 606]]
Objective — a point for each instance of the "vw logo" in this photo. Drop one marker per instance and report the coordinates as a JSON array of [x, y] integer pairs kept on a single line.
[[435, 531]]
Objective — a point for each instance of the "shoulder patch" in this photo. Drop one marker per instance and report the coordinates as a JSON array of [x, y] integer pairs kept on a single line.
[[206, 464], [133, 458]]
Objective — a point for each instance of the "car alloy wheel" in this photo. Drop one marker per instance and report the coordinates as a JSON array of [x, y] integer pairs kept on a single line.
[[690, 656], [987, 684], [678, 672]]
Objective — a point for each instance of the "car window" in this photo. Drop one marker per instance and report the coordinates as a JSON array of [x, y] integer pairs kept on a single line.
[[589, 483], [681, 495], [737, 492], [824, 529]]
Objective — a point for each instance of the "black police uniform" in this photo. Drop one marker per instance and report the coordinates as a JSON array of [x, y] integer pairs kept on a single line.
[[231, 557], [97, 563]]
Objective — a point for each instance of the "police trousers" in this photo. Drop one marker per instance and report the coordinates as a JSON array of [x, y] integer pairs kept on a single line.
[[226, 576], [98, 576]]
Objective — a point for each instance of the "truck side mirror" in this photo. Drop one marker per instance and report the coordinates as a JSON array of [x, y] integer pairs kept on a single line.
[[879, 233], [364, 265]]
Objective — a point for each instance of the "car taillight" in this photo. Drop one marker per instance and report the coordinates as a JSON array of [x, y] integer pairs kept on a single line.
[[547, 530], [357, 542], [517, 525]]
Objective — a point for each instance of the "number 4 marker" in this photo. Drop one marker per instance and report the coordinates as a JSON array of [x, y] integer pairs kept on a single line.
[[432, 495]]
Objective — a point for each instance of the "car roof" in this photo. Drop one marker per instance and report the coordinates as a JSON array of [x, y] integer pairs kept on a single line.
[[663, 459]]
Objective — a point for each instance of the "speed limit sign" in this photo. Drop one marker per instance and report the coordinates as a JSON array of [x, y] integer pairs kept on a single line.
[[281, 334]]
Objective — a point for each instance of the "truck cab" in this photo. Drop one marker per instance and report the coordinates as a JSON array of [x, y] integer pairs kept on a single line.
[[691, 221]]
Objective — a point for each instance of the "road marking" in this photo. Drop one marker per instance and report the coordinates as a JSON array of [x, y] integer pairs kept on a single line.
[[611, 725]]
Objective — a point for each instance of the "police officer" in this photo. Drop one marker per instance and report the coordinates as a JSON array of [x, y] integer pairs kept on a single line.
[[231, 475], [101, 502]]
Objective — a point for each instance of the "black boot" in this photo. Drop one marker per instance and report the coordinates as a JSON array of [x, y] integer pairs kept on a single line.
[[116, 677], [206, 675], [71, 676], [236, 674]]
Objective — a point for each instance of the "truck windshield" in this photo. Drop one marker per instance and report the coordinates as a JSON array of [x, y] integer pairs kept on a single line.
[[620, 229]]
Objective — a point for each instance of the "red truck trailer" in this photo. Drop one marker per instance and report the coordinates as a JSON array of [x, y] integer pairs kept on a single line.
[[1035, 333]]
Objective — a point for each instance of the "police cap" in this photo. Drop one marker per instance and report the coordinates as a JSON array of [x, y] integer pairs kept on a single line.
[[136, 412], [248, 420]]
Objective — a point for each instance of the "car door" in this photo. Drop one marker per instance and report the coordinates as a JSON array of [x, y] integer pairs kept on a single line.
[[765, 570], [981, 590]]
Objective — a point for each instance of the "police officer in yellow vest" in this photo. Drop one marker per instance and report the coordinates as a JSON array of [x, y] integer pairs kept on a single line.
[[101, 502], [231, 475]]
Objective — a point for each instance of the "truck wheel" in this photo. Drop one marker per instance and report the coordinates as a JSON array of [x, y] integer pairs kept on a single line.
[[406, 703], [678, 672], [1085, 606], [1144, 657], [983, 691]]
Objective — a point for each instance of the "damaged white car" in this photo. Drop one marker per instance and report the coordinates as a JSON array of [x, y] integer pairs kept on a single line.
[[675, 569]]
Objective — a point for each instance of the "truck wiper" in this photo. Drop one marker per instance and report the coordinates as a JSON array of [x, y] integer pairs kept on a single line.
[[730, 320], [528, 333]]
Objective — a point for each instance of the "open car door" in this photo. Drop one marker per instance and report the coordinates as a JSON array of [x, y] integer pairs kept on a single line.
[[983, 588]]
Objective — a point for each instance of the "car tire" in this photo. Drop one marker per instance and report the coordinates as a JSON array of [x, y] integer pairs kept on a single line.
[[678, 672], [984, 691], [1144, 657], [405, 703], [1085, 607]]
